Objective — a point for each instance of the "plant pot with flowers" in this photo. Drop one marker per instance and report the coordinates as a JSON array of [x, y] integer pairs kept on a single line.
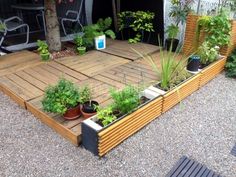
[[63, 99], [89, 106], [81, 49], [43, 50]]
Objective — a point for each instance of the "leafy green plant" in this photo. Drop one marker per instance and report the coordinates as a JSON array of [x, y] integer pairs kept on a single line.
[[218, 30], [125, 100], [139, 21], [85, 94], [207, 53], [100, 28], [61, 97], [231, 65], [105, 115], [180, 10], [79, 41], [172, 31], [42, 47], [172, 70]]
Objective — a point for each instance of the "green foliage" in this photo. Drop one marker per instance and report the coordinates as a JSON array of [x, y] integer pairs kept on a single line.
[[59, 98], [79, 41], [2, 27], [125, 100], [85, 94], [42, 47], [105, 115], [218, 30], [180, 10], [139, 21], [231, 65], [100, 28], [207, 53], [172, 70], [172, 31]]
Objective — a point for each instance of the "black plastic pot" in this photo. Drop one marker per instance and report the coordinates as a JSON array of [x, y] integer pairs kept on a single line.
[[90, 108], [193, 63], [172, 44]]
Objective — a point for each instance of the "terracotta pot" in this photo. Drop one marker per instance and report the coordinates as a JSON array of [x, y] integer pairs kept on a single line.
[[72, 113], [87, 111]]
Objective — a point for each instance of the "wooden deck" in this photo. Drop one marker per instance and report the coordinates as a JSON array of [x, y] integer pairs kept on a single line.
[[24, 78]]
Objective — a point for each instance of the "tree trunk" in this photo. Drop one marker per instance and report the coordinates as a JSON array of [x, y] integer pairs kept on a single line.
[[52, 25]]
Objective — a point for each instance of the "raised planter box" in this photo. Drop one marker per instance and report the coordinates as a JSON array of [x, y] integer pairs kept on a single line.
[[212, 71], [190, 34], [99, 140]]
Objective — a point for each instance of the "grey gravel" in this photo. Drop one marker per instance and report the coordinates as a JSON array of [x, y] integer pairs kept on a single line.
[[203, 127]]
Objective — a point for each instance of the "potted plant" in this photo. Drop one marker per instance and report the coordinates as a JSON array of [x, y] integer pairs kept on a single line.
[[97, 33], [89, 106], [81, 49], [171, 41], [63, 98], [43, 50]]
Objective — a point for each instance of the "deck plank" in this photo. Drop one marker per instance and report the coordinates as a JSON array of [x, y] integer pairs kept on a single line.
[[92, 63], [18, 61], [124, 49]]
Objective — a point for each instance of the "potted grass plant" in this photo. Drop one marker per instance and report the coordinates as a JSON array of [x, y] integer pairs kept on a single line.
[[63, 99], [89, 106], [43, 50], [81, 49]]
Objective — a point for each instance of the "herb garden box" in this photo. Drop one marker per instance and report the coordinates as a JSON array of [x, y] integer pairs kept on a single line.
[[99, 140], [209, 72]]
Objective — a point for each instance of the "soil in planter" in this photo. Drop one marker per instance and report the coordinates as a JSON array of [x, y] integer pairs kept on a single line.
[[201, 66]]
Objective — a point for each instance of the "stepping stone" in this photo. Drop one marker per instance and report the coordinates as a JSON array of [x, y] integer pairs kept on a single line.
[[233, 151], [186, 167]]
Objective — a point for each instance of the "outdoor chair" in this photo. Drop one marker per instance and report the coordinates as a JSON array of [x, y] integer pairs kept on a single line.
[[72, 16], [13, 24]]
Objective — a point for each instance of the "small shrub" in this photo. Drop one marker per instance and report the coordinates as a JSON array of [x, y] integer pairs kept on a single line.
[[231, 65], [61, 97]]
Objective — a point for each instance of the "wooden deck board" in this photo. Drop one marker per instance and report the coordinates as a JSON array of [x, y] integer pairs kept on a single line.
[[18, 61], [92, 63], [124, 49]]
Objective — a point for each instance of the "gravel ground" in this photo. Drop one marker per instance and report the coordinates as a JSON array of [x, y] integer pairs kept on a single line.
[[203, 127]]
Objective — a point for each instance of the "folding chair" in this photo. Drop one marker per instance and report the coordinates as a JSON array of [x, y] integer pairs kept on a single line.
[[12, 24], [72, 16]]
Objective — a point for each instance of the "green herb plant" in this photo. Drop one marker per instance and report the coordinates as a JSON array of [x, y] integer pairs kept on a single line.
[[61, 97], [105, 115], [79, 41], [100, 28], [125, 100], [85, 94], [207, 53], [231, 65], [43, 49]]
